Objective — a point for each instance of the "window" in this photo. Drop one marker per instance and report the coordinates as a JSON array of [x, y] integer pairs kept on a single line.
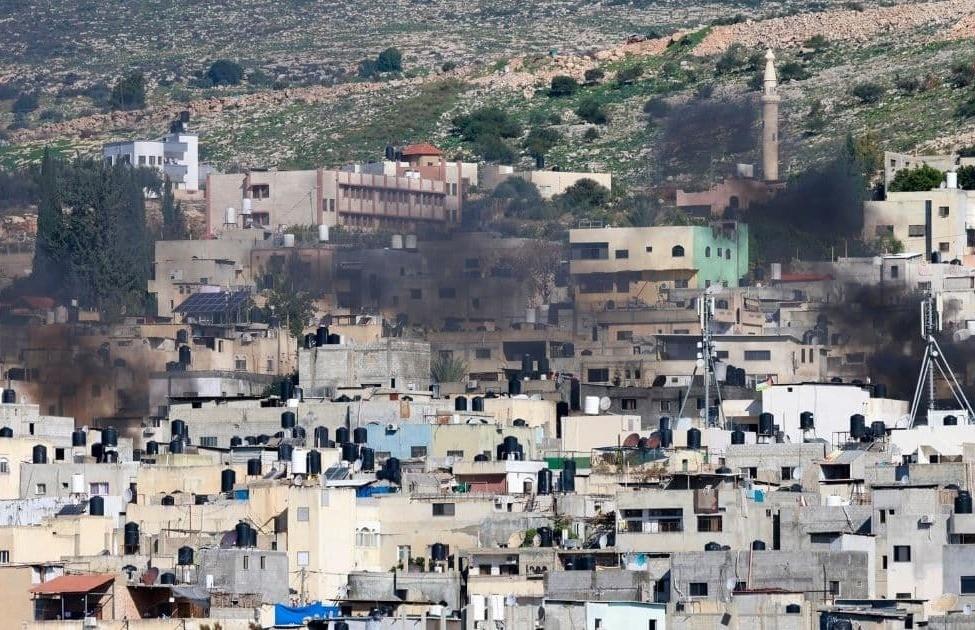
[[261, 191], [622, 253], [208, 440], [624, 335], [698, 589], [902, 553], [263, 562], [967, 581], [652, 624], [4, 466], [923, 286], [240, 363], [677, 251], [40, 488], [834, 587], [142, 160], [99, 488], [707, 252], [944, 247], [727, 255], [447, 293], [758, 355], [416, 294], [366, 537], [418, 451], [482, 353], [943, 211], [722, 354], [303, 559], [459, 454], [598, 375], [680, 283], [787, 473], [443, 509], [5, 556], [664, 405], [885, 230], [246, 562], [894, 271], [709, 523], [302, 515], [913, 230], [628, 404], [649, 249]]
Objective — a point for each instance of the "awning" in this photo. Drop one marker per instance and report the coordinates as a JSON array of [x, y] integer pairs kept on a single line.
[[194, 593], [74, 584]]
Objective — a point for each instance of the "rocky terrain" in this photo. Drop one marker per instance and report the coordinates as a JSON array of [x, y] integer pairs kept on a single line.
[[501, 53]]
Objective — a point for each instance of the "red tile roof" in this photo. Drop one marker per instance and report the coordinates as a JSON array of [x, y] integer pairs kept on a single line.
[[422, 148], [74, 584]]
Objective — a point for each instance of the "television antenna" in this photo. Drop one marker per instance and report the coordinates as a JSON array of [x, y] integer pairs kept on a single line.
[[706, 354], [934, 363]]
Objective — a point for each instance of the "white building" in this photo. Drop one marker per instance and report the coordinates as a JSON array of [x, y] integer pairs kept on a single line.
[[175, 155]]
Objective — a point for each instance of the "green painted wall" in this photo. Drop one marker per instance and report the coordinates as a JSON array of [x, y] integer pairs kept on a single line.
[[705, 255]]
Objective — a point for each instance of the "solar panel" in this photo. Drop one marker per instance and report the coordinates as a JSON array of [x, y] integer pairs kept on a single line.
[[337, 473], [210, 303]]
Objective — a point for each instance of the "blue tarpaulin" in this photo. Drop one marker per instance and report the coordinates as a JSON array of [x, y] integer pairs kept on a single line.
[[296, 616]]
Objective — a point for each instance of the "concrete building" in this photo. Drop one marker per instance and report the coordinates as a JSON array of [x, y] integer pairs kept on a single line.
[[175, 156], [548, 183], [237, 572], [389, 362]]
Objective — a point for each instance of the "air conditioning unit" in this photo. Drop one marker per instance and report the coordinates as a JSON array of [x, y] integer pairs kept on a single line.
[[927, 519], [90, 622], [392, 427]]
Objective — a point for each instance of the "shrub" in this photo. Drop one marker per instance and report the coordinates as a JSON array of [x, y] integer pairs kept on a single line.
[[916, 179], [584, 195], [486, 122], [962, 74], [868, 92], [594, 75], [966, 109], [390, 60], [733, 59], [966, 177], [792, 71], [704, 90], [563, 85], [225, 72], [907, 85], [8, 91], [448, 66], [591, 110], [129, 93], [656, 107], [816, 42], [591, 134], [628, 74], [540, 141], [25, 103]]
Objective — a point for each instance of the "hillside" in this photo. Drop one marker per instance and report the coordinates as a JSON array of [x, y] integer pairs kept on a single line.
[[316, 111]]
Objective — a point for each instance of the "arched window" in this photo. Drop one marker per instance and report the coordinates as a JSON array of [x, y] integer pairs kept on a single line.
[[707, 252], [727, 253], [722, 304], [677, 251], [365, 537], [4, 466]]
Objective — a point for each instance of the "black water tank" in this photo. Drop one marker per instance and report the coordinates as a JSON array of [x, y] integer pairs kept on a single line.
[[879, 390], [394, 472], [545, 536], [152, 447], [313, 461], [110, 436], [39, 454], [858, 426], [807, 421], [950, 421], [368, 457], [438, 552], [499, 452], [130, 538], [543, 366], [109, 457], [510, 443], [168, 500], [8, 397], [298, 432], [227, 480], [167, 578], [185, 355], [242, 533], [176, 446], [514, 386], [643, 444], [309, 341], [567, 477], [477, 404], [350, 452], [544, 486], [664, 423], [712, 546], [184, 556], [481, 457], [287, 389], [96, 506], [177, 428], [321, 336], [963, 502], [236, 441], [737, 436], [321, 437], [360, 435], [758, 545], [284, 452], [341, 625], [878, 429], [666, 438], [341, 435], [254, 467], [6, 432], [765, 423], [201, 499], [79, 438], [526, 364], [182, 336], [693, 438], [288, 419], [460, 403], [263, 438]]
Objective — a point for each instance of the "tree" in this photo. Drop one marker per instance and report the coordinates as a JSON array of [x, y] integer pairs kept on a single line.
[[484, 122], [444, 368], [25, 103], [494, 149], [521, 198], [816, 118], [563, 85], [129, 93], [792, 71], [734, 58], [917, 179], [590, 134], [174, 220], [591, 110], [540, 141], [594, 75], [225, 72], [966, 177], [629, 74], [288, 295], [390, 60], [586, 194], [868, 92], [537, 263], [863, 154]]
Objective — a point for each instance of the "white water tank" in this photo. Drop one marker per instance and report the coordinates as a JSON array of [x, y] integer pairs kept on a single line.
[[289, 240], [834, 500], [77, 483], [323, 233], [230, 216], [299, 463], [396, 242], [530, 315], [246, 205], [951, 179], [410, 241], [497, 607], [592, 406], [479, 606]]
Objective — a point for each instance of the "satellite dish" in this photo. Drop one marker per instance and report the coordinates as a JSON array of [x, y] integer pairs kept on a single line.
[[797, 472], [605, 403], [541, 613], [299, 480], [730, 583], [127, 495]]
